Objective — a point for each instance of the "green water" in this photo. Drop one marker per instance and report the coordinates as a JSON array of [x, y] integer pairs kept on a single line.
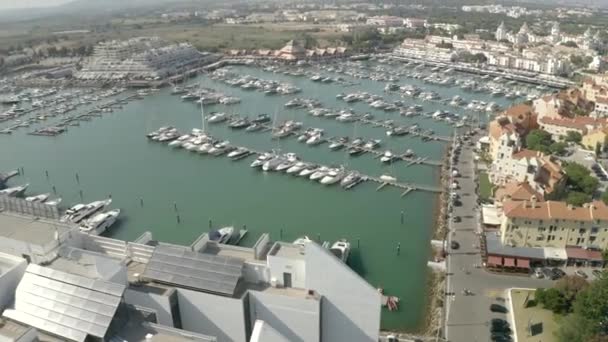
[[112, 156]]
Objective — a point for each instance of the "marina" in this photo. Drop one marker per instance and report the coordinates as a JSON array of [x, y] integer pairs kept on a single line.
[[174, 194]]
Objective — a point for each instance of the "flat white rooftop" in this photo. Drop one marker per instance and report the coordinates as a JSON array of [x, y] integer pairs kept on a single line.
[[30, 229], [287, 250]]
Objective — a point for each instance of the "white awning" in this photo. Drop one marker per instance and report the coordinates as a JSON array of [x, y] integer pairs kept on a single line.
[[491, 215], [555, 253]]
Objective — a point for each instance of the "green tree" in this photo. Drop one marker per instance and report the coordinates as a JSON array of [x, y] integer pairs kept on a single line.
[[539, 140], [589, 320], [558, 148], [573, 136], [571, 286], [552, 299], [577, 198]]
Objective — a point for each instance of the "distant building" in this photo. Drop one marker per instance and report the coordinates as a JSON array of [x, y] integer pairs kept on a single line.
[[385, 21], [140, 58]]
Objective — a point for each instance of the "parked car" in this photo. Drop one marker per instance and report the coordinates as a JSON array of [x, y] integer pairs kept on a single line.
[[557, 273], [454, 244], [456, 219], [498, 308], [581, 274], [538, 273], [548, 273]]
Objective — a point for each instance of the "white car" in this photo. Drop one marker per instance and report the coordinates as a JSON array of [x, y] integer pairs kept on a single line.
[[538, 273]]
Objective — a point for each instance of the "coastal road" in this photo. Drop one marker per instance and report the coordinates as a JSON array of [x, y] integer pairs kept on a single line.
[[468, 316]]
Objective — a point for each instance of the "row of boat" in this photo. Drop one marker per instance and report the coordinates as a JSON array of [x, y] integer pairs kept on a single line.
[[292, 165], [91, 217], [248, 82], [197, 141]]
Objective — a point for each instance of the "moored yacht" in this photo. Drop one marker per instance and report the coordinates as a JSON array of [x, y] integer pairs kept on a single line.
[[239, 152], [217, 117], [221, 235], [80, 212], [333, 176], [319, 173], [261, 159], [100, 222], [14, 191], [38, 198], [341, 249]]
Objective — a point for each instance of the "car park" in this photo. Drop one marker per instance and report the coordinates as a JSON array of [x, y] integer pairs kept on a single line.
[[498, 308]]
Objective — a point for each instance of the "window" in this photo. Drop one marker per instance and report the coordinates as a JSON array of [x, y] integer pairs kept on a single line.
[[594, 230], [581, 231]]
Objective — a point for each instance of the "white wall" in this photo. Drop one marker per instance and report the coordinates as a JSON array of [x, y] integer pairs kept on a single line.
[[11, 272], [157, 302], [262, 332], [256, 272], [295, 318], [350, 307], [296, 267], [213, 315]]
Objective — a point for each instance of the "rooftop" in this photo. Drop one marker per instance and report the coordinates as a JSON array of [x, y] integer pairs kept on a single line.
[[30, 229], [138, 330], [287, 250], [556, 210]]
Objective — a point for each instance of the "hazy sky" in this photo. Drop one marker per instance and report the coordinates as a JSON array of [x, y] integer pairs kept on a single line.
[[11, 4]]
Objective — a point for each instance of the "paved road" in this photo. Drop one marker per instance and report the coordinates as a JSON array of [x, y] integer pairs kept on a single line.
[[468, 316]]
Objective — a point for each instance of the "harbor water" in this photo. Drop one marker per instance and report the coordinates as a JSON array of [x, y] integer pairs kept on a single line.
[[174, 193]]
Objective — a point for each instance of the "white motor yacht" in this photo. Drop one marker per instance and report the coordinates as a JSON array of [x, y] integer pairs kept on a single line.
[[296, 168], [80, 212], [319, 173], [350, 179], [98, 224], [217, 117], [14, 191], [308, 170], [38, 198], [333, 176], [238, 152], [55, 201], [272, 163], [221, 235], [219, 148], [388, 178], [315, 139], [180, 140], [341, 249], [261, 159], [387, 157]]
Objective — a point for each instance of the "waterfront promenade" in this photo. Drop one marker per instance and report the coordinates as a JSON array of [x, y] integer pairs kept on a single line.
[[468, 316]]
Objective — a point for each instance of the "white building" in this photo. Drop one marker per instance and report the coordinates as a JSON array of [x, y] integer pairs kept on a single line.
[[139, 58], [96, 288], [385, 21]]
